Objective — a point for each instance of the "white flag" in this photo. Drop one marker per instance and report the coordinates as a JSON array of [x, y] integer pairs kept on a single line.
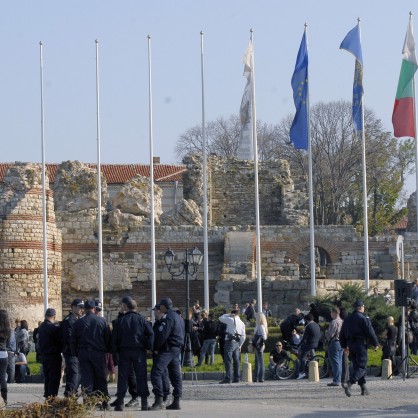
[[245, 148]]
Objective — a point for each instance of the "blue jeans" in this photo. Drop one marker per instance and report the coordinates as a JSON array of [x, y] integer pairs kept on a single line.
[[335, 355], [232, 355], [259, 365], [20, 373], [304, 351], [207, 347]]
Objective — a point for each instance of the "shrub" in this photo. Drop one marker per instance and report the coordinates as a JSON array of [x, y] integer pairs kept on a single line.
[[55, 408]]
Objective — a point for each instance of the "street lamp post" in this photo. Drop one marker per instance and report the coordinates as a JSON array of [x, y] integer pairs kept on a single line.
[[193, 259], [190, 267]]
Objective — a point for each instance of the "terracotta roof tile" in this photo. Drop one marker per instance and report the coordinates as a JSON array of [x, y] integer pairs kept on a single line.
[[402, 224], [120, 173]]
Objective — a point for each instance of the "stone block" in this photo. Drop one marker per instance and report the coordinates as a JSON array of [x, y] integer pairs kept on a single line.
[[224, 285], [222, 297]]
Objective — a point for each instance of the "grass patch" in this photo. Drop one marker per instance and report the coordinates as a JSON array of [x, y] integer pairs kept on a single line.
[[374, 361], [35, 368]]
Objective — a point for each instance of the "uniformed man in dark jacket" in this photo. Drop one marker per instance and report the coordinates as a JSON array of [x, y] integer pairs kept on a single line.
[[131, 339], [355, 332], [165, 379], [168, 343], [72, 375], [90, 342], [50, 347], [132, 388]]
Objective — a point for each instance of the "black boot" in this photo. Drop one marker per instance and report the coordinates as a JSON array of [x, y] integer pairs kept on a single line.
[[158, 404], [144, 404], [175, 404], [347, 389], [4, 395], [364, 390]]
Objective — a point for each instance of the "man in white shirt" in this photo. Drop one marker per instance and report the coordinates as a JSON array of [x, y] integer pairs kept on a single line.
[[235, 337]]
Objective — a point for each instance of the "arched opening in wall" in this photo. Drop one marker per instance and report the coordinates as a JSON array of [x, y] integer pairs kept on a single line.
[[322, 263]]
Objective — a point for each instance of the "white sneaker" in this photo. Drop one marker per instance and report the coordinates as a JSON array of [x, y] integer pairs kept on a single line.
[[301, 376]]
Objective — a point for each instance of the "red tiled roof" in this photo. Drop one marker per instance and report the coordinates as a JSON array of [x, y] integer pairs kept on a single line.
[[402, 224], [119, 173]]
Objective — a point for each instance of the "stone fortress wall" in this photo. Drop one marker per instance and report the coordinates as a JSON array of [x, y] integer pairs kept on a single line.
[[72, 240]]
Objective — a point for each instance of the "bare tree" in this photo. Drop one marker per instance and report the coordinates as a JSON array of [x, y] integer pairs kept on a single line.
[[222, 139], [336, 158]]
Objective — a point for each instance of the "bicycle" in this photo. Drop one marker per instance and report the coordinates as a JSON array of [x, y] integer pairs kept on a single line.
[[288, 368]]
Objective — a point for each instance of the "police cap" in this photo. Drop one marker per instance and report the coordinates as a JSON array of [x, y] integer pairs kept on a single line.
[[358, 303], [78, 302], [89, 304], [167, 302]]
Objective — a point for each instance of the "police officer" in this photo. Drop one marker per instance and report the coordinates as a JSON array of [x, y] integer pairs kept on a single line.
[[355, 332], [90, 341], [168, 342], [50, 346], [72, 377], [165, 378], [131, 339], [132, 388]]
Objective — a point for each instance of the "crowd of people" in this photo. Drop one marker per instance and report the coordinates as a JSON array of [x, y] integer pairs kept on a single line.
[[89, 348]]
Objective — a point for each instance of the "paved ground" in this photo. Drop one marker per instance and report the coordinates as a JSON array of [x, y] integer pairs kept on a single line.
[[298, 399]]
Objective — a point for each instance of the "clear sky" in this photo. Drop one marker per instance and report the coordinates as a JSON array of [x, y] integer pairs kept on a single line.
[[68, 31]]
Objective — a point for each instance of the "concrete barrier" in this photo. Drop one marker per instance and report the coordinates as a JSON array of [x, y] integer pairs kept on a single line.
[[313, 371], [247, 374], [386, 369]]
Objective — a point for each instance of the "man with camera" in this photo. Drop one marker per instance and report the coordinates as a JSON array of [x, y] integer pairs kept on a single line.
[[235, 337]]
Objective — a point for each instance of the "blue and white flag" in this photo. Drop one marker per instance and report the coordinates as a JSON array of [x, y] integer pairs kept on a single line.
[[352, 44]]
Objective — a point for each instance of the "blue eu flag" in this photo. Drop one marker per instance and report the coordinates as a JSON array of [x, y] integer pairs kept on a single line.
[[299, 129], [351, 43]]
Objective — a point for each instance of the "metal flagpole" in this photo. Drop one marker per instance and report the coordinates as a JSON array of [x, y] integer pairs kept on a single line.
[[205, 188], [257, 203], [99, 185], [44, 230], [415, 133], [151, 180], [366, 222], [311, 211]]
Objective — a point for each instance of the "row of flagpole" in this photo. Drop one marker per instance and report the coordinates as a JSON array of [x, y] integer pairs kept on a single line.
[[299, 135]]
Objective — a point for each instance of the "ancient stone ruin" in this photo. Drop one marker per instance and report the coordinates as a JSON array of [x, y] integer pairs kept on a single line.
[[72, 221]]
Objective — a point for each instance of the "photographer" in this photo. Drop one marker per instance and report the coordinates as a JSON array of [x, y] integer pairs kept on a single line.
[[235, 337], [413, 325]]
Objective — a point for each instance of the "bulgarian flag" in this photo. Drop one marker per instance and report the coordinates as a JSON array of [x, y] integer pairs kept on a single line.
[[403, 118]]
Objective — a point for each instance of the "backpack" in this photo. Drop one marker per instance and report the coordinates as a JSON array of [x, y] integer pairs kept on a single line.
[[258, 342]]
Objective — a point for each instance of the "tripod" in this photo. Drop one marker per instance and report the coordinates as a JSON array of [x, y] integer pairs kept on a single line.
[[406, 360]]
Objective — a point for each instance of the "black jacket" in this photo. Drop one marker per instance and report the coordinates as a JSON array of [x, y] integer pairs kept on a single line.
[[90, 332], [49, 339], [170, 332], [356, 330], [132, 331], [311, 336], [209, 329], [67, 330]]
